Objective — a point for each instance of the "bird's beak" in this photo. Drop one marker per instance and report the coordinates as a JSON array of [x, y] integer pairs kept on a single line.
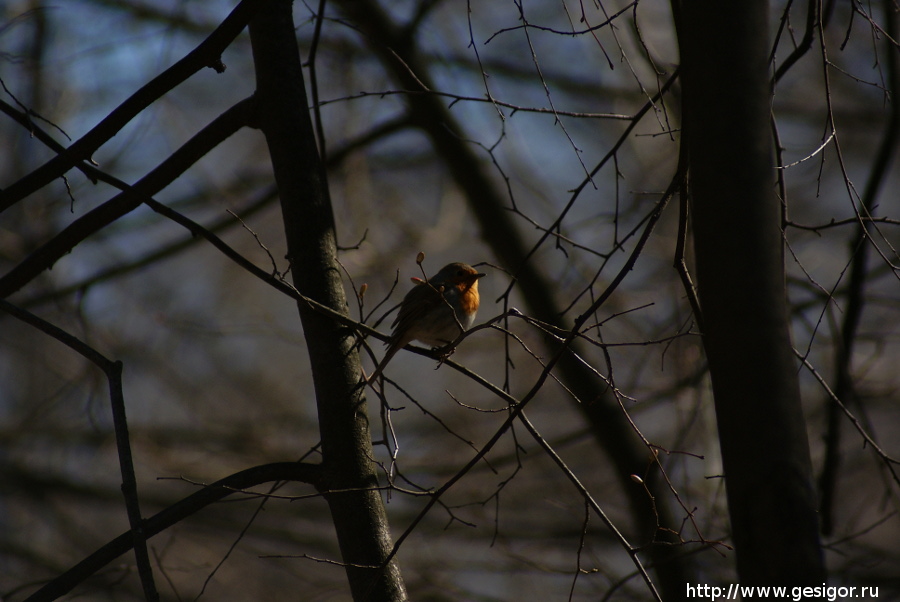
[[479, 275]]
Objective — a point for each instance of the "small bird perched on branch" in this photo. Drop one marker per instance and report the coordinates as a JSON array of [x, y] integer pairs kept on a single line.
[[435, 311]]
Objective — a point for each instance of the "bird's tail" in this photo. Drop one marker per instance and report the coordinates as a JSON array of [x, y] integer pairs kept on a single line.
[[392, 350]]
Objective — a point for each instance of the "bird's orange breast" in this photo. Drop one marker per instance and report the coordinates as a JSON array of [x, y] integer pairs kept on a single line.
[[469, 299]]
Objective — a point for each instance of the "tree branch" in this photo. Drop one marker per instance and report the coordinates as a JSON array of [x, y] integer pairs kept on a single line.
[[235, 483], [113, 371], [176, 164], [207, 54]]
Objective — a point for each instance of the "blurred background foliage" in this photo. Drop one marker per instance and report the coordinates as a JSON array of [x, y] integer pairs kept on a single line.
[[216, 378]]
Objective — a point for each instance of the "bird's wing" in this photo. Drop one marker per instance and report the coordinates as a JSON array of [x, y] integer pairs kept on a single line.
[[419, 301]]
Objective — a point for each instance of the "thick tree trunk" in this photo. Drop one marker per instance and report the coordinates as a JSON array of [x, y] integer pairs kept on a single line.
[[358, 512], [740, 272]]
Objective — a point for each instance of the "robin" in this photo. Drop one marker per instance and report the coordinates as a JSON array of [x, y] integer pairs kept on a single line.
[[435, 311]]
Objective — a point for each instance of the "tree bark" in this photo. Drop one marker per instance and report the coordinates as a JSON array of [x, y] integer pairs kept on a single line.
[[740, 271], [349, 479]]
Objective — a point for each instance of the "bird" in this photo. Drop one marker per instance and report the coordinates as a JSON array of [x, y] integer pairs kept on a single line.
[[435, 311]]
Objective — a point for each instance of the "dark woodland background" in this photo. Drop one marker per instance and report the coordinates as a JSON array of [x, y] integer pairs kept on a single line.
[[542, 141]]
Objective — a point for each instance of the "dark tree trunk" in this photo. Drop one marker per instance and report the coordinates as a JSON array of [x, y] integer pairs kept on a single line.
[[358, 512], [740, 272]]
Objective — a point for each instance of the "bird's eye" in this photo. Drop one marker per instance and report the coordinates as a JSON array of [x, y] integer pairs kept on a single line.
[[461, 273]]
